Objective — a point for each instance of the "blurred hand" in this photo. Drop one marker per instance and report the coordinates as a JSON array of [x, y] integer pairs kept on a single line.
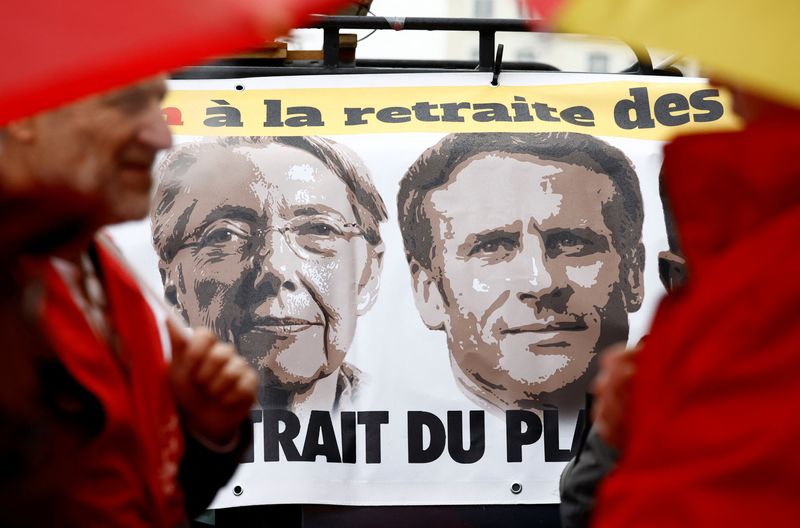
[[214, 386], [612, 388]]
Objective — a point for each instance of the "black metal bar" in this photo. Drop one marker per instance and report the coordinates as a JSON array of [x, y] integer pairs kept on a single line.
[[362, 66], [283, 64], [486, 50], [319, 516], [424, 23], [330, 47], [465, 65]]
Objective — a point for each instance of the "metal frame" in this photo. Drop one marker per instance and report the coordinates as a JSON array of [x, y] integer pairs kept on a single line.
[[332, 62], [486, 28]]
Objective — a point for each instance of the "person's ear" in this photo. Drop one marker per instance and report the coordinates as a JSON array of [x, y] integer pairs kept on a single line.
[[634, 279], [427, 296], [370, 282]]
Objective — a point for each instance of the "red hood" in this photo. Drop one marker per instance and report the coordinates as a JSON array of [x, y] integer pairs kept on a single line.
[[725, 186]]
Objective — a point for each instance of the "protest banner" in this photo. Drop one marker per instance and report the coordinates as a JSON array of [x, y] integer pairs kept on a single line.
[[422, 267]]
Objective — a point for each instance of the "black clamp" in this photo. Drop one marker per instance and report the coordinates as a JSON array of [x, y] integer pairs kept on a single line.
[[498, 64]]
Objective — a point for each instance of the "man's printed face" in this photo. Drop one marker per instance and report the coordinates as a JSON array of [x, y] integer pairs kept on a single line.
[[272, 260], [527, 272]]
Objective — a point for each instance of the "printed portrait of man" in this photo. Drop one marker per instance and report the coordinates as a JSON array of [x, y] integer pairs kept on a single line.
[[274, 243], [525, 249]]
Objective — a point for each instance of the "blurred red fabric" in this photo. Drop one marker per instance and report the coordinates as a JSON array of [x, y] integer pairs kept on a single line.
[[544, 8], [56, 51], [712, 426]]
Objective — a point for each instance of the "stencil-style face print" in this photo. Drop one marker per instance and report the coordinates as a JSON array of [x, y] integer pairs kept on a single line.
[[525, 279], [272, 258]]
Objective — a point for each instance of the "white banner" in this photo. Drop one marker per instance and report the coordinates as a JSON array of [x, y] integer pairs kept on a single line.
[[423, 268]]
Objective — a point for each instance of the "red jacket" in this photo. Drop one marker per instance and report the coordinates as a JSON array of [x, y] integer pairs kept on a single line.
[[127, 475], [713, 419]]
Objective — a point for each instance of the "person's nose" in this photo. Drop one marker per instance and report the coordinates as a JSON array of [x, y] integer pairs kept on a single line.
[[275, 264], [534, 272], [545, 287], [153, 130]]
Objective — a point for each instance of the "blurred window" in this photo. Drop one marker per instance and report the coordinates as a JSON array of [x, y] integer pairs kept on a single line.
[[484, 8]]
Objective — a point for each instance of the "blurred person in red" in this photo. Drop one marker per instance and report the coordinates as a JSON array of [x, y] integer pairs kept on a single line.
[[598, 452], [707, 427], [101, 431]]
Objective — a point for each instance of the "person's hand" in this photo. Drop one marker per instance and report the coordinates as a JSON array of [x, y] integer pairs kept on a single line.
[[612, 388], [214, 386]]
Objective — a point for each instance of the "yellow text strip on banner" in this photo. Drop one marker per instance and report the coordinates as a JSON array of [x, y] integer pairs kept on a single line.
[[648, 110]]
